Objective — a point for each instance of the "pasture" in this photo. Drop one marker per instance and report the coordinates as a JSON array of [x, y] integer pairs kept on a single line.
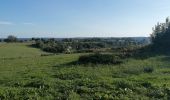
[[26, 74]]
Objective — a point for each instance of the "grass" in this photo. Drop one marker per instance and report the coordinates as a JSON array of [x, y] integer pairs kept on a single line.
[[16, 50], [25, 74]]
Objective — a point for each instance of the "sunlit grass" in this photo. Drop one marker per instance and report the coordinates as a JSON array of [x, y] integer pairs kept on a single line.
[[28, 75]]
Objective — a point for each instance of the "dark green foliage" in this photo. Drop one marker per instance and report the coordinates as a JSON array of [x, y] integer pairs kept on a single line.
[[161, 36], [54, 48], [148, 69], [50, 46], [84, 45], [146, 84], [99, 59], [11, 38]]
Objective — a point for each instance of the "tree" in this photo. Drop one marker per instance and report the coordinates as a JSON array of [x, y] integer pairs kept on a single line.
[[11, 38], [161, 36]]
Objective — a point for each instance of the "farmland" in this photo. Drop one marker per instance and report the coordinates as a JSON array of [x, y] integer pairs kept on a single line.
[[26, 74]]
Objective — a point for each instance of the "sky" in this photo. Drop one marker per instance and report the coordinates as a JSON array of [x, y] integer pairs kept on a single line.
[[81, 18]]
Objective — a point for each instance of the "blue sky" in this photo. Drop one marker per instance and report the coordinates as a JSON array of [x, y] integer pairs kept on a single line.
[[81, 18]]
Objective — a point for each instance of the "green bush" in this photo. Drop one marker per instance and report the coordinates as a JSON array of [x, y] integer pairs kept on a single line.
[[99, 59], [11, 38], [146, 84], [148, 69]]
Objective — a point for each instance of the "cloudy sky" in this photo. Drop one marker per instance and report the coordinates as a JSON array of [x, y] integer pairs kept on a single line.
[[81, 18]]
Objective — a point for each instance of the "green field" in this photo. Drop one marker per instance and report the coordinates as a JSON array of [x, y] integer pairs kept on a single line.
[[25, 74], [14, 50]]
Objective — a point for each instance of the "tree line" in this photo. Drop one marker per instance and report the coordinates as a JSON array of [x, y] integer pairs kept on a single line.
[[83, 45], [77, 45]]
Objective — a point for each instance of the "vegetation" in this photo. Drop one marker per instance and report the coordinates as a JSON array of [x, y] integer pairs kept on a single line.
[[112, 74], [99, 59], [161, 36], [85, 45], [148, 69], [18, 50], [11, 38], [28, 75], [50, 46]]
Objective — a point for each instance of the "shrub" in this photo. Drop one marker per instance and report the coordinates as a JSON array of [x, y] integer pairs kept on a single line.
[[146, 84], [99, 59], [11, 38], [148, 69]]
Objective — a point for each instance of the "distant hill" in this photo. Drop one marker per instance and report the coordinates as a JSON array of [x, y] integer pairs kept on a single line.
[[143, 40]]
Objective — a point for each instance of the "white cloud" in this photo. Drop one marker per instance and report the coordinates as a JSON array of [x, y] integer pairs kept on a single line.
[[28, 23], [6, 23]]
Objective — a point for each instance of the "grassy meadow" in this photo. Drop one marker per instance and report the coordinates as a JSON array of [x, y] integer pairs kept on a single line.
[[27, 75]]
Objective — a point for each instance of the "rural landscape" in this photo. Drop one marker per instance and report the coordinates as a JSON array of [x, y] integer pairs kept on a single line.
[[86, 68]]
